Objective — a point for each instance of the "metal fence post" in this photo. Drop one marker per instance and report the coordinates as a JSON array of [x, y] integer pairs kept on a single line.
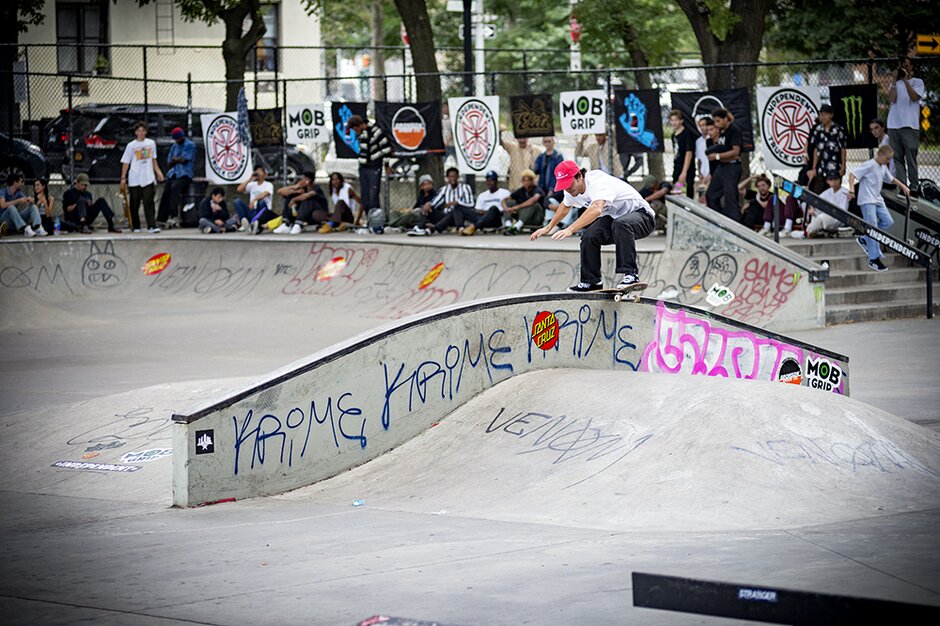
[[189, 104], [871, 79], [776, 214], [525, 73], [734, 78], [29, 100], [146, 86], [283, 133], [71, 150], [610, 125]]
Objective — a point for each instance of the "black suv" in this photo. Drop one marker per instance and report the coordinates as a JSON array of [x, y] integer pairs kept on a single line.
[[102, 130], [19, 155]]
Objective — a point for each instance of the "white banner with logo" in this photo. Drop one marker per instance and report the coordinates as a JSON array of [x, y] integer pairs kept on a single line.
[[786, 116], [308, 123], [228, 161], [583, 112], [475, 123]]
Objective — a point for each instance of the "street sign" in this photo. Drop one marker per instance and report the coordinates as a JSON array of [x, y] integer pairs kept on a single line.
[[928, 44], [489, 30]]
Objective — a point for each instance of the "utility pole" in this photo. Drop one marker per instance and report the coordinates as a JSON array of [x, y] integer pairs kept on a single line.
[[470, 179], [479, 42], [575, 65]]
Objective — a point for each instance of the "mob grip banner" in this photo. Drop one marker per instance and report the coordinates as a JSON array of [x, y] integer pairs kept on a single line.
[[583, 112]]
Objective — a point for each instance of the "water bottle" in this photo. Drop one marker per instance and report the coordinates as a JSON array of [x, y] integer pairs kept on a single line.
[[56, 227]]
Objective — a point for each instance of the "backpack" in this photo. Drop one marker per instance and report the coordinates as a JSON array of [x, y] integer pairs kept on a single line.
[[376, 221]]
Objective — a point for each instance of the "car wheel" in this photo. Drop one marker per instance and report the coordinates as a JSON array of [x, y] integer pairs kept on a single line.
[[11, 167]]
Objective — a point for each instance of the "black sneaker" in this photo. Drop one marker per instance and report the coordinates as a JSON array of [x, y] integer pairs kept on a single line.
[[628, 280], [583, 287], [877, 265], [861, 242]]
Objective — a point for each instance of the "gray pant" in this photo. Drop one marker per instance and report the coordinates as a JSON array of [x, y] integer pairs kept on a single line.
[[904, 142], [230, 224]]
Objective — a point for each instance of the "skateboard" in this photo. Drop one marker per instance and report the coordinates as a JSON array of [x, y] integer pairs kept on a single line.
[[631, 293]]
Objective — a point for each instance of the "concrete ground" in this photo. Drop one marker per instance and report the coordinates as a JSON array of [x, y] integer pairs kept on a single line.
[[109, 555]]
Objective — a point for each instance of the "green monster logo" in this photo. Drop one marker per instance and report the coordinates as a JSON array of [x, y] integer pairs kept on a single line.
[[853, 115]]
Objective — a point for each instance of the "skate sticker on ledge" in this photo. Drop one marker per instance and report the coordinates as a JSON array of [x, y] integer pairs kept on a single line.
[[545, 330], [156, 264], [431, 276], [331, 269], [719, 295]]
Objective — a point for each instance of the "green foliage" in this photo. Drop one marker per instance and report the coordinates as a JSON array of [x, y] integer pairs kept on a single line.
[[611, 27], [28, 13], [720, 18]]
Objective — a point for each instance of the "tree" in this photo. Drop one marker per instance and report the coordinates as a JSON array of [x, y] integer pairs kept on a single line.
[[16, 16]]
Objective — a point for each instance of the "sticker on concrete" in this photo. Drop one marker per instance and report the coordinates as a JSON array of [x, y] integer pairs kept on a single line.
[[331, 269], [719, 295], [790, 372], [156, 264], [822, 374], [545, 330], [205, 441], [431, 276], [145, 456], [101, 447], [95, 467], [90, 455]]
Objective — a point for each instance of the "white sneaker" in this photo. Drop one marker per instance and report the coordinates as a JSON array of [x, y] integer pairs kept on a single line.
[[296, 229], [519, 224], [206, 230], [785, 233], [417, 231], [283, 229], [798, 234], [392, 229], [136, 230], [41, 232], [366, 231], [244, 225], [28, 231], [255, 227], [153, 231]]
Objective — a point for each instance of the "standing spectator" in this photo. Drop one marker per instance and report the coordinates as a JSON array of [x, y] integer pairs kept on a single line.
[[654, 192], [525, 205], [595, 149], [408, 218], [489, 205], [683, 145], [906, 96], [545, 165], [828, 140], [725, 155], [260, 194], [80, 209], [341, 191], [139, 174], [16, 208], [871, 175], [706, 127], [180, 164], [452, 206], [213, 214], [44, 202], [373, 148], [822, 224], [877, 128], [522, 156], [304, 203]]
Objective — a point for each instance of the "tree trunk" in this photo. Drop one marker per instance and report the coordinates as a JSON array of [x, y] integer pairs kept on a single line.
[[9, 34], [639, 58], [236, 46], [378, 53]]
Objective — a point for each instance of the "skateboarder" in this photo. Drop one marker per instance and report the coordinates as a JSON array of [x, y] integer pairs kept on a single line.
[[613, 213]]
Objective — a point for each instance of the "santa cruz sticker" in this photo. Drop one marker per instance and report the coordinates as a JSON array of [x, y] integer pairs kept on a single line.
[[545, 330], [156, 264]]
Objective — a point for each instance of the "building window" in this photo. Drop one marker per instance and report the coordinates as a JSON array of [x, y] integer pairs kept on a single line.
[[82, 37], [263, 58]]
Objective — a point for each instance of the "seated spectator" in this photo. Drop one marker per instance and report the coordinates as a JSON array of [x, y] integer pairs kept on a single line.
[[80, 210], [655, 192], [822, 224], [489, 205], [304, 204], [16, 209], [408, 218], [452, 206], [345, 203], [756, 200], [260, 194], [524, 206], [44, 202], [213, 213], [791, 215]]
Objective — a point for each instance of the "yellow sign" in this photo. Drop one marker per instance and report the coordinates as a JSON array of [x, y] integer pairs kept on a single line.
[[928, 44], [925, 123]]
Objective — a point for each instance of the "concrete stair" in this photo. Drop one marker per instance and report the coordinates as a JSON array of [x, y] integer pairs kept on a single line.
[[855, 293]]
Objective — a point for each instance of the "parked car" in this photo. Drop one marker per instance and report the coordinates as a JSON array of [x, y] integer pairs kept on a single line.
[[100, 132], [19, 155]]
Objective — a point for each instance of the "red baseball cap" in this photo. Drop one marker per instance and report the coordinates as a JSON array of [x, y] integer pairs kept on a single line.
[[565, 173]]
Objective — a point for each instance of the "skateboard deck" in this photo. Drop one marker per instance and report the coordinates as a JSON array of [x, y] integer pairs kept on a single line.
[[631, 293]]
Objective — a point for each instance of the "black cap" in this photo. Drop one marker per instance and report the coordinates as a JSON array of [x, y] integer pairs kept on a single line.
[[825, 109], [492, 174]]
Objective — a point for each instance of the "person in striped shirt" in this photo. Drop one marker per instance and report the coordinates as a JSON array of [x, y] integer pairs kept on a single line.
[[452, 206], [373, 148]]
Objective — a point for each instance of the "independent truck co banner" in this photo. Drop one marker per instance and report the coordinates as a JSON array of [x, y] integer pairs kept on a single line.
[[697, 104], [583, 112], [853, 107], [412, 129], [532, 115], [786, 116], [347, 142], [476, 131], [637, 121], [228, 160], [307, 123]]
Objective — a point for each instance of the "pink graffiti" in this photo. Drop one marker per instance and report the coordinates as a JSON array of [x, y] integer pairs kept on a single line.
[[304, 282], [761, 291], [412, 301]]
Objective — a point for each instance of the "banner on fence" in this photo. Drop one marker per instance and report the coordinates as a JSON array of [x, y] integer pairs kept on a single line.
[[306, 123], [583, 112], [266, 129], [475, 126], [637, 121], [228, 160], [786, 116], [532, 115], [697, 104], [347, 142], [853, 107], [412, 129]]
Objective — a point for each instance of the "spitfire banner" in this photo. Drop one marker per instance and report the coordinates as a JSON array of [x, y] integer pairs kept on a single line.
[[697, 104], [228, 160], [786, 116], [853, 107], [347, 143], [412, 129], [532, 115], [637, 121], [475, 124]]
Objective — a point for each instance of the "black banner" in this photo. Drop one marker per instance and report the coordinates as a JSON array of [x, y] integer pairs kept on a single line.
[[532, 115], [347, 143], [265, 127], [696, 104], [412, 129], [638, 121], [853, 107]]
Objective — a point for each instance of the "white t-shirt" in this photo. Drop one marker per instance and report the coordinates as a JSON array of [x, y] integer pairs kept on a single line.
[[701, 156], [905, 113], [621, 197], [871, 176], [492, 198], [343, 194], [838, 198], [255, 189], [886, 141], [140, 156]]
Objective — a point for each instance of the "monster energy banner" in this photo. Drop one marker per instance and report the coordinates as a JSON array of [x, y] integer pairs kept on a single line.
[[853, 107], [697, 104], [637, 120]]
